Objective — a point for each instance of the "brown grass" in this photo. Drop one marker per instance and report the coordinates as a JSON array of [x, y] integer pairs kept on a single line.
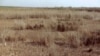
[[49, 32]]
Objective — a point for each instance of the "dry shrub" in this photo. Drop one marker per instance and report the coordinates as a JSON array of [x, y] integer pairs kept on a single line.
[[61, 27], [39, 38], [31, 27], [39, 16], [11, 36], [40, 42], [28, 27], [76, 39], [15, 17], [73, 39], [38, 26], [67, 26], [72, 25], [92, 9], [91, 38], [13, 39], [69, 39], [21, 25], [87, 17]]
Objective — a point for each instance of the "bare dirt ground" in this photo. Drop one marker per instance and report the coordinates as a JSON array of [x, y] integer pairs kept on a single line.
[[49, 32]]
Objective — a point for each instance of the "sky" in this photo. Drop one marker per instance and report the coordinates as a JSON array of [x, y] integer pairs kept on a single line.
[[51, 3]]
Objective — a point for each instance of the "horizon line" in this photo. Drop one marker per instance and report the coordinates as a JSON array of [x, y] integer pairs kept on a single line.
[[51, 6]]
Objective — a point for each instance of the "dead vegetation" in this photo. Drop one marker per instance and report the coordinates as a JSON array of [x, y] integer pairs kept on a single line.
[[49, 32]]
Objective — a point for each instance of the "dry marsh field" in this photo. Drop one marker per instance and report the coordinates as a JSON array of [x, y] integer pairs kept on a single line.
[[49, 31]]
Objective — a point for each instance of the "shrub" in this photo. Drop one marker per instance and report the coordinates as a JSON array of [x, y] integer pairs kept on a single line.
[[61, 27], [38, 16], [67, 26], [25, 26], [91, 38], [87, 17]]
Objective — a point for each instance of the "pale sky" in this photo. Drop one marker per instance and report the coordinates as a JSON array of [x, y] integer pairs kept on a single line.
[[51, 3]]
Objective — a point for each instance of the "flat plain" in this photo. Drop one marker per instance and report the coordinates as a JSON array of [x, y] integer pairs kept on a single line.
[[49, 31]]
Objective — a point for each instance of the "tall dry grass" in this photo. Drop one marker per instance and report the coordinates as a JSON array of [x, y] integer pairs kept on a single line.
[[49, 32]]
